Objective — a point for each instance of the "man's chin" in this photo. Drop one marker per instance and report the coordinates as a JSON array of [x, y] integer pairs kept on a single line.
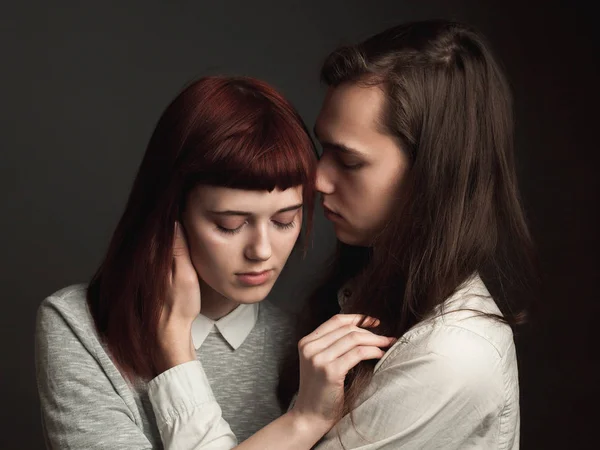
[[351, 238]]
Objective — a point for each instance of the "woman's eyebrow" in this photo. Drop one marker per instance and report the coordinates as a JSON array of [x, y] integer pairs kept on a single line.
[[230, 212]]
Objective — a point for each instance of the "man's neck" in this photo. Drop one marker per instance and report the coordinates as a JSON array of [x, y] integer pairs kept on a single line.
[[214, 305]]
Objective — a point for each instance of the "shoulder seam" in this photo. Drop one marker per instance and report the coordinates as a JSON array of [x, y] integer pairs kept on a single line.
[[500, 355]]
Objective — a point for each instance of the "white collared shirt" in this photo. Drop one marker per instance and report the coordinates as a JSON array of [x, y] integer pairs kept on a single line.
[[234, 327]]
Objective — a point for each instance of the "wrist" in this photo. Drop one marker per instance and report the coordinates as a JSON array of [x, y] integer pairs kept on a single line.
[[174, 348], [309, 424]]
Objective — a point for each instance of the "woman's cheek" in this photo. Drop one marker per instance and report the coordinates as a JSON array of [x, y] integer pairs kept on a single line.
[[205, 250]]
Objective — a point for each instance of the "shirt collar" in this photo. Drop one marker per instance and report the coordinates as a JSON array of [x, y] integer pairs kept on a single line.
[[234, 327]]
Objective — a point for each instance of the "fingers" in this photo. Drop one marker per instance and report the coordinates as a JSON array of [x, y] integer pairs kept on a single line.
[[339, 321], [351, 341], [310, 348], [180, 246], [344, 363], [338, 351], [182, 270]]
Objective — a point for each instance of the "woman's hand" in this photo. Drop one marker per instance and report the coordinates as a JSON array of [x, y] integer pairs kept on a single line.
[[326, 356], [181, 307]]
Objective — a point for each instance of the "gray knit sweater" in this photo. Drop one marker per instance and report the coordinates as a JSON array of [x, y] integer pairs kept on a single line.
[[86, 403]]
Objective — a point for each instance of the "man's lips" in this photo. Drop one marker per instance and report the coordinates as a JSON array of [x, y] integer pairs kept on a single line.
[[330, 212]]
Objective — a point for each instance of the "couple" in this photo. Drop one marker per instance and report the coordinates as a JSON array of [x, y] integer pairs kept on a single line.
[[403, 346]]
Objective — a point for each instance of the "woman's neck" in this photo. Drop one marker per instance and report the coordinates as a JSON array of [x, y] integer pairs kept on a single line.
[[214, 305]]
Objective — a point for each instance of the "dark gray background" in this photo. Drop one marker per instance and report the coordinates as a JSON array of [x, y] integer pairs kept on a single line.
[[83, 85]]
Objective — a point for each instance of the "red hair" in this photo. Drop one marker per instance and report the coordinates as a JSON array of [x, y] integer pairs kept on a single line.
[[234, 132]]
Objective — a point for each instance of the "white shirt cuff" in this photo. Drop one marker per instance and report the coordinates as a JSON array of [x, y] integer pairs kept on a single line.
[[178, 391]]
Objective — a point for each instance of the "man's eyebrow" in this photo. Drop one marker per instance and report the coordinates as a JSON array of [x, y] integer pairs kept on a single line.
[[230, 212], [337, 145]]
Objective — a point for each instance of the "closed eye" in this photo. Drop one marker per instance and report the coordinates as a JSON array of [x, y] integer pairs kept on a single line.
[[343, 160], [353, 166], [284, 226], [229, 230], [286, 219]]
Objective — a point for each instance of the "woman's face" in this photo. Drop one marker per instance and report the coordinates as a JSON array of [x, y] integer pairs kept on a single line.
[[362, 166], [240, 240]]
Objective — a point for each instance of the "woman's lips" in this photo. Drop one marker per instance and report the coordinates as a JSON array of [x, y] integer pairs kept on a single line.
[[255, 278]]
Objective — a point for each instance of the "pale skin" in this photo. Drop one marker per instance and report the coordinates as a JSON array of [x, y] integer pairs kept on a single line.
[[326, 355], [362, 166], [233, 231], [227, 232]]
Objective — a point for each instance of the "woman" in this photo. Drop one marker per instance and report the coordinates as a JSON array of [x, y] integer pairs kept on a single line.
[[417, 176], [227, 174]]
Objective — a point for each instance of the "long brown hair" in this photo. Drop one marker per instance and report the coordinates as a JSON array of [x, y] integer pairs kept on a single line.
[[449, 105], [223, 131]]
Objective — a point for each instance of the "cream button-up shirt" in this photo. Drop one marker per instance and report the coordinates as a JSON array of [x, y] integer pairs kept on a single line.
[[450, 382]]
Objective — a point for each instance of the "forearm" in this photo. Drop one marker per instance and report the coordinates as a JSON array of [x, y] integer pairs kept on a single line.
[[289, 432]]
